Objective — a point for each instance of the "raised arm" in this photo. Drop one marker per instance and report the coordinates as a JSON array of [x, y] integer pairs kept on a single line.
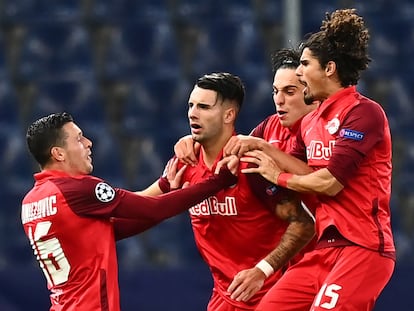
[[241, 144], [318, 182]]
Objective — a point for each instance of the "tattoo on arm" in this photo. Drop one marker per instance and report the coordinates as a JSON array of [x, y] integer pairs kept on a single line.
[[298, 233]]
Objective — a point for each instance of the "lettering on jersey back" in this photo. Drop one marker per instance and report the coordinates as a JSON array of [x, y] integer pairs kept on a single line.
[[40, 209], [212, 206]]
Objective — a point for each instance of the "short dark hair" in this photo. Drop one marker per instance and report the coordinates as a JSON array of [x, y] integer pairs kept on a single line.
[[45, 133], [227, 86], [285, 58]]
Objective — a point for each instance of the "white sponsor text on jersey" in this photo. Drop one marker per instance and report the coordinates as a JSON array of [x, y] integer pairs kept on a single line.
[[212, 206], [318, 151]]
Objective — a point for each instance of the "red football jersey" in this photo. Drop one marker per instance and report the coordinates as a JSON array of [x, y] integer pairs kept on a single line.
[[233, 231], [350, 136], [70, 224], [284, 138], [80, 269], [274, 133]]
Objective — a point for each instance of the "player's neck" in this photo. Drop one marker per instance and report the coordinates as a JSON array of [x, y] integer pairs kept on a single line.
[[213, 148]]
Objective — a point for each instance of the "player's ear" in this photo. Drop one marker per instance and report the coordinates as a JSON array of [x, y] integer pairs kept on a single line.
[[330, 68], [230, 115], [57, 153]]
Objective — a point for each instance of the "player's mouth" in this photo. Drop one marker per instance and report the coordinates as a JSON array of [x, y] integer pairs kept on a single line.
[[306, 89], [195, 128], [281, 113]]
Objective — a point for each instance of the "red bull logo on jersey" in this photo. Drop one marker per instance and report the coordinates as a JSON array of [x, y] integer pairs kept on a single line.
[[212, 206], [42, 208], [332, 126], [318, 151]]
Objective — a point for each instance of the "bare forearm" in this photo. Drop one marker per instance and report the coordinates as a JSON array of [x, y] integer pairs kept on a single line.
[[293, 240], [319, 182]]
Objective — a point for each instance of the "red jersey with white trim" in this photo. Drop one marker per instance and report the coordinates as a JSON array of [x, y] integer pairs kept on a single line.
[[70, 223], [233, 231], [349, 135], [77, 254]]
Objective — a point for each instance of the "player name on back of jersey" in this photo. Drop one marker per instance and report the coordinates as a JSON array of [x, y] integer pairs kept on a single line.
[[212, 206], [42, 208]]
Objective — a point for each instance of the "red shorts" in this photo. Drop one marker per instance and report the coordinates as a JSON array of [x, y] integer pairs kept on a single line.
[[218, 303], [335, 278]]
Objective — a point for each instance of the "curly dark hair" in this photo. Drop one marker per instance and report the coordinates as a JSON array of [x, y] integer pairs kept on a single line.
[[343, 38]]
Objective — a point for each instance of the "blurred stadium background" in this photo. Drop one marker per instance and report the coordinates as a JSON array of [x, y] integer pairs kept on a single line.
[[124, 69]]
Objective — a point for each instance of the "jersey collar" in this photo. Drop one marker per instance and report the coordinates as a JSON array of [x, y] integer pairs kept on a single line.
[[48, 174], [336, 98]]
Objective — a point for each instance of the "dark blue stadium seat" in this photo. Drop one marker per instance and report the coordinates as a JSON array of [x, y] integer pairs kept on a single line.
[[149, 10], [227, 46], [28, 11], [102, 11], [79, 97], [153, 46], [314, 13], [269, 12], [17, 166], [140, 117], [55, 50], [258, 103], [12, 11], [236, 10], [194, 12], [106, 151], [140, 48], [9, 105], [62, 10], [3, 68], [199, 12]]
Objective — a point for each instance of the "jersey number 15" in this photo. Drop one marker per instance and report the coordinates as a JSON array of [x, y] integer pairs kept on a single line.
[[49, 254]]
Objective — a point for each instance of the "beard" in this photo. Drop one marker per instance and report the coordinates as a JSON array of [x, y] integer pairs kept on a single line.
[[309, 99]]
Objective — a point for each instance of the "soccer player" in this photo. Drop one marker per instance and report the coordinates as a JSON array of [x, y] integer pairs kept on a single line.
[[245, 238], [347, 143], [72, 220], [280, 130]]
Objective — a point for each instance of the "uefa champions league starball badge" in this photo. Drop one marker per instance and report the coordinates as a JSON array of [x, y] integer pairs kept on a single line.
[[104, 192]]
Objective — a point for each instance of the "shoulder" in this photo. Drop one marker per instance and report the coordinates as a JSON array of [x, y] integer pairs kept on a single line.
[[366, 111], [85, 188], [306, 120], [265, 125], [77, 183], [369, 105]]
